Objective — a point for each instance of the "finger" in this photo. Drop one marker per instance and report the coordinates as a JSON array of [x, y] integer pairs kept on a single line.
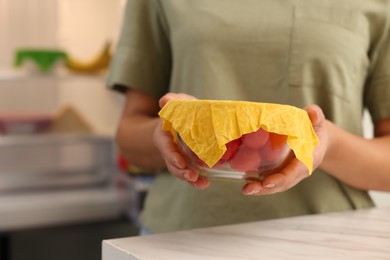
[[174, 160], [201, 183], [316, 114], [182, 96], [253, 188], [290, 176], [287, 178], [168, 149], [187, 174], [164, 99]]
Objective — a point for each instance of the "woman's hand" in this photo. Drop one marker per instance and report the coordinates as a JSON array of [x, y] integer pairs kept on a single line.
[[295, 171], [170, 152]]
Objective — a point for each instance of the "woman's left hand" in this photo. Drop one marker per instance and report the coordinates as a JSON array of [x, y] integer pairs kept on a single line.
[[295, 171]]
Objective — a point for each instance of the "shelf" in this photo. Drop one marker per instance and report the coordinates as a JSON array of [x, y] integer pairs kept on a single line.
[[14, 75], [61, 207]]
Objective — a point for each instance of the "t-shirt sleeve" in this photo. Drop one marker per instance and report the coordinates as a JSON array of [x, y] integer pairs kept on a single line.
[[377, 92], [142, 58]]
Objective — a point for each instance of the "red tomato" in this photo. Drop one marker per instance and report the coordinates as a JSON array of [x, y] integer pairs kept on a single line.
[[231, 148], [277, 140], [246, 159], [273, 153], [255, 140], [201, 163], [219, 164]]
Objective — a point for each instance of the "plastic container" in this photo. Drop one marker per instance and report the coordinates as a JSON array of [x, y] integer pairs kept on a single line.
[[248, 158], [55, 161], [11, 124]]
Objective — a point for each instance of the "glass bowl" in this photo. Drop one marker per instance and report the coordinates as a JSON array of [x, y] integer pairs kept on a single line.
[[248, 158]]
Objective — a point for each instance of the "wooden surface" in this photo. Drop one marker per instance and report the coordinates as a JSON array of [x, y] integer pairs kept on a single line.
[[363, 234]]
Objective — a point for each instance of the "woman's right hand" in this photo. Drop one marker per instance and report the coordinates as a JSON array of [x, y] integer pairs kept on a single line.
[[174, 159]]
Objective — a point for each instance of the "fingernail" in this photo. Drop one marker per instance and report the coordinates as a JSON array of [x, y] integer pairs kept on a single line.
[[252, 192], [195, 185], [270, 185], [177, 165], [316, 118], [187, 176]]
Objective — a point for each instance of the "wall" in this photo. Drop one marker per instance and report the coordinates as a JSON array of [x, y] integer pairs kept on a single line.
[[26, 23], [84, 27], [81, 28]]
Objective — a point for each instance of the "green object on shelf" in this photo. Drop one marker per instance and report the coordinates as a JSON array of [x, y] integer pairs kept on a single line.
[[44, 59]]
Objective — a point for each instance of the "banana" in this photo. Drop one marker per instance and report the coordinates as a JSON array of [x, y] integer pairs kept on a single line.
[[99, 63]]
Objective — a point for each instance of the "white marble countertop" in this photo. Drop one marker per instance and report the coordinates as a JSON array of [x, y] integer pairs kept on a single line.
[[363, 234]]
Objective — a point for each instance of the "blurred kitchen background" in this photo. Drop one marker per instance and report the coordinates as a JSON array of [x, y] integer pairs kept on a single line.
[[62, 183]]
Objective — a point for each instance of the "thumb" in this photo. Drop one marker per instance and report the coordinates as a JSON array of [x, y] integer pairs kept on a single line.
[[316, 114], [164, 99]]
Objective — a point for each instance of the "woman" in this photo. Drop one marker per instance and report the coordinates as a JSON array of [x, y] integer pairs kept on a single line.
[[334, 54]]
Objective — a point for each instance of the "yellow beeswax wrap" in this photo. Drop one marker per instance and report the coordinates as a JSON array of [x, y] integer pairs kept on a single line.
[[207, 125]]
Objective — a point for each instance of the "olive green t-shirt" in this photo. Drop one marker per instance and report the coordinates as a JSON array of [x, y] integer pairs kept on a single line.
[[334, 53]]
